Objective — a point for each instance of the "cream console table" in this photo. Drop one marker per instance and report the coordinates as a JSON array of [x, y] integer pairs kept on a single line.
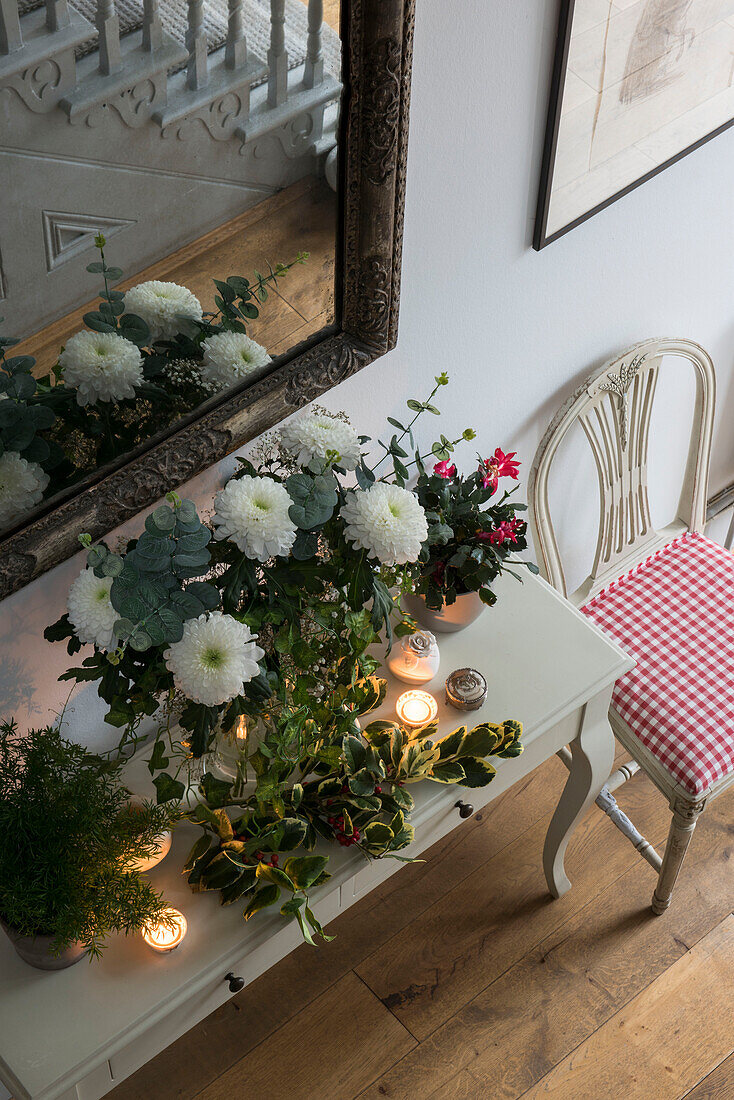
[[73, 1035]]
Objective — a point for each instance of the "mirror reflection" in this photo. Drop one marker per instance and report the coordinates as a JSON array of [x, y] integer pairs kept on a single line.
[[168, 174]]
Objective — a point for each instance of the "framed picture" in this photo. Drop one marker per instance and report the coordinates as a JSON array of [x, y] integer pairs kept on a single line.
[[637, 84]]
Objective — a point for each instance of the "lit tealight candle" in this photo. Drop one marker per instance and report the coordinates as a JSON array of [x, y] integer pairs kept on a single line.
[[164, 936], [416, 708]]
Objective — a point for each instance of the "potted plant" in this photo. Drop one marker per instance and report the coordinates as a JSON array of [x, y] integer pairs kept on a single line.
[[471, 540], [69, 846]]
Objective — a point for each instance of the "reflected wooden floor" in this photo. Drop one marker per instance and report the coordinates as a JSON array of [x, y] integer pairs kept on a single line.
[[301, 218], [461, 979]]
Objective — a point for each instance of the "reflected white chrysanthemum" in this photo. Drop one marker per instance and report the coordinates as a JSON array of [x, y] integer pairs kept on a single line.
[[214, 660], [22, 485], [386, 521], [165, 307], [101, 366], [315, 435], [90, 610], [230, 357], [253, 513]]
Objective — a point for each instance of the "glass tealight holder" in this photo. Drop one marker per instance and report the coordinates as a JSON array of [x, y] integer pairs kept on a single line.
[[416, 659], [166, 935], [233, 749], [416, 708]]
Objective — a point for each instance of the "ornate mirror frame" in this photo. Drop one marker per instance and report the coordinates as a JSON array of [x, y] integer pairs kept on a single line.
[[378, 37]]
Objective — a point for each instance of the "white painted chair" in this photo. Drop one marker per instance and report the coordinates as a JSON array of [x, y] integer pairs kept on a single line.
[[667, 596]]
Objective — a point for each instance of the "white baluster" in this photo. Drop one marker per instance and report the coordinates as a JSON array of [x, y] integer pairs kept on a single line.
[[235, 54], [277, 55], [313, 73], [108, 26], [10, 36], [152, 29], [197, 74], [57, 15]]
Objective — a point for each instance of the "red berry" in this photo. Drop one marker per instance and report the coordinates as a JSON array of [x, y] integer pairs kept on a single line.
[[274, 859], [378, 790]]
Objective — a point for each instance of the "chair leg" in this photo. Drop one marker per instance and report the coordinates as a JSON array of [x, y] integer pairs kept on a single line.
[[685, 816]]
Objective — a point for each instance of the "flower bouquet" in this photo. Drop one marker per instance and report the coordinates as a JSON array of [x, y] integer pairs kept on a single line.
[[148, 356], [268, 614]]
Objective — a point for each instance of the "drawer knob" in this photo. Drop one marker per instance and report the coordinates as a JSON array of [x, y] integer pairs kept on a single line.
[[235, 983], [465, 810]]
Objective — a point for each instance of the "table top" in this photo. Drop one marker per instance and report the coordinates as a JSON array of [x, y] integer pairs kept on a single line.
[[541, 658]]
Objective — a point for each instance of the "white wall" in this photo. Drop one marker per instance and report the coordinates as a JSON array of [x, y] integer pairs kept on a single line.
[[515, 329]]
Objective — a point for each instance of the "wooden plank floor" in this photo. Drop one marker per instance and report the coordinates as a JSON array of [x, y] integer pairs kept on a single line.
[[461, 979]]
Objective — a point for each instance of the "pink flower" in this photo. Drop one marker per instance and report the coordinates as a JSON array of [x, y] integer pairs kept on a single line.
[[499, 465], [505, 532], [444, 469]]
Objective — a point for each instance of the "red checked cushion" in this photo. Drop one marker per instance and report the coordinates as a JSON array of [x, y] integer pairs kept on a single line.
[[674, 614]]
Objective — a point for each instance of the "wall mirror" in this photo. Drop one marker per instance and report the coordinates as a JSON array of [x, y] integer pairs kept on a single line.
[[232, 171]]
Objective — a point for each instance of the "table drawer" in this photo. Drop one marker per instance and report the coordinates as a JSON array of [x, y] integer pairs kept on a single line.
[[158, 1036]]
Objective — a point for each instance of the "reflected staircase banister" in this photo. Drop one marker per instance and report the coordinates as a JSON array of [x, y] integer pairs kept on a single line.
[[10, 37], [277, 55], [313, 74]]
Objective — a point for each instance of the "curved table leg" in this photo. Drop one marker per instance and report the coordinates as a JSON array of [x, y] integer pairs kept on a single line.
[[593, 756]]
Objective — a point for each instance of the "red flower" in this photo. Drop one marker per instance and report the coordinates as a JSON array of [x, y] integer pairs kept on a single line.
[[506, 531], [499, 465], [438, 572], [443, 469]]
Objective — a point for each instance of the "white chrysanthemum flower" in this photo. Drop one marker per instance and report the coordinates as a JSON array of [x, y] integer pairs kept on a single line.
[[22, 485], [253, 513], [165, 308], [231, 356], [314, 435], [214, 660], [386, 521], [101, 366], [90, 610]]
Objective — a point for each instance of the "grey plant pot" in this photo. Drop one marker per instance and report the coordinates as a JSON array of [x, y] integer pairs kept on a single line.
[[465, 609], [36, 950]]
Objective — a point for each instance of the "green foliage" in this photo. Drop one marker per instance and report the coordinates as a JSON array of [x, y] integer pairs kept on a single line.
[[467, 548], [41, 419], [238, 299], [69, 840], [23, 416]]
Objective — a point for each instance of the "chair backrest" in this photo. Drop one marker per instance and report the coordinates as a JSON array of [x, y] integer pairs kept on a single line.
[[613, 406]]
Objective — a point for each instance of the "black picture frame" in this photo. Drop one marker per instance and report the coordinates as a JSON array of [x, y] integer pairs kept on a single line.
[[541, 237]]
